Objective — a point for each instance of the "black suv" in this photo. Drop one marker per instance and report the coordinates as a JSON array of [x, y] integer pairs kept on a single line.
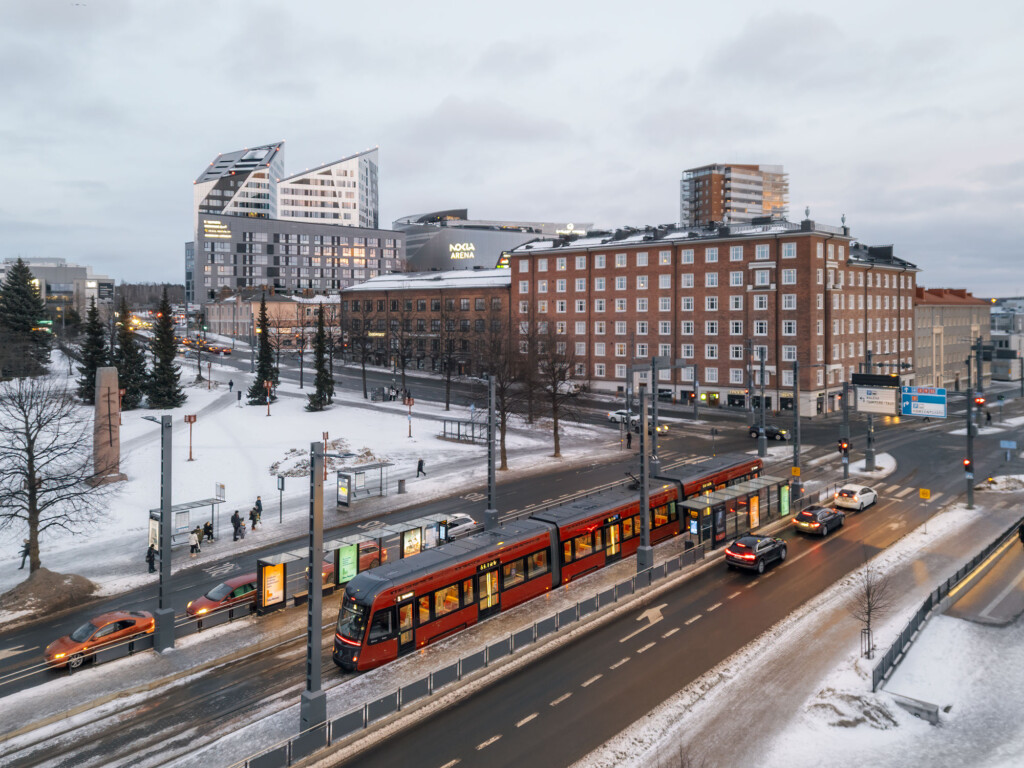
[[819, 520], [755, 552], [771, 432]]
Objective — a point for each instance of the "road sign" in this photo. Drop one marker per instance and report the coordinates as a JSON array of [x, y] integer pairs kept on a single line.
[[1010, 445], [925, 493], [796, 471], [877, 400], [923, 401]]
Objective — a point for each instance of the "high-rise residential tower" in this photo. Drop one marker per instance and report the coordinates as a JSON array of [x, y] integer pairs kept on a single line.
[[241, 183], [341, 192], [732, 194]]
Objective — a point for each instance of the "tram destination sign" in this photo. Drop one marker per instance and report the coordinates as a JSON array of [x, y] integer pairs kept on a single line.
[[923, 401]]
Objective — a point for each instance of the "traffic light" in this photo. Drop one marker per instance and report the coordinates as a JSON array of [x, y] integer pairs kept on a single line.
[[979, 400], [968, 465], [839, 446], [844, 447]]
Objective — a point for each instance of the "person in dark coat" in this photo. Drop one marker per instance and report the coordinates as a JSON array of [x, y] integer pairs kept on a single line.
[[419, 469], [231, 384], [236, 522], [259, 508], [1020, 533], [254, 517], [151, 558], [988, 417], [629, 440], [208, 531], [24, 553]]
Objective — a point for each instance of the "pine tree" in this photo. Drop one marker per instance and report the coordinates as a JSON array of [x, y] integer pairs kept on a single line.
[[130, 362], [323, 383], [94, 354], [265, 369], [21, 308], [164, 388]]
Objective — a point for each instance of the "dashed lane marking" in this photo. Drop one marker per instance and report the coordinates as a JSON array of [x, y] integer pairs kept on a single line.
[[560, 699], [734, 594], [594, 679], [716, 605], [770, 573], [525, 720], [488, 742], [935, 497], [450, 763], [619, 663], [645, 648], [692, 619], [903, 493], [752, 584], [670, 632]]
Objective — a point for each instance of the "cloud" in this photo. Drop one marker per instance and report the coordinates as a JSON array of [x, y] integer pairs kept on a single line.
[[504, 59]]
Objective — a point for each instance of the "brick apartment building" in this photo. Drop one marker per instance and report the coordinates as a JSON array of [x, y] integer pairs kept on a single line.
[[948, 321], [429, 319], [720, 297]]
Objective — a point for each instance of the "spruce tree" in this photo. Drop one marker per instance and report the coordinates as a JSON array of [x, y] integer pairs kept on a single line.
[[164, 388], [21, 309], [94, 354], [130, 362], [323, 384], [265, 369]]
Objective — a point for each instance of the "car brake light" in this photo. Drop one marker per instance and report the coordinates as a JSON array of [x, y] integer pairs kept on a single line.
[[815, 525], [856, 497], [189, 604]]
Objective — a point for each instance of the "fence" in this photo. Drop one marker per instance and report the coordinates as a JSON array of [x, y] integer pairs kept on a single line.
[[320, 736], [894, 655]]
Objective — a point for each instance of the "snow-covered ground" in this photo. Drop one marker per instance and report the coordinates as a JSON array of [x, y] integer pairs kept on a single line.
[[245, 449]]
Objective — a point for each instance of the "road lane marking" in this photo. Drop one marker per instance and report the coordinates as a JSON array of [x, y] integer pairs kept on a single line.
[[903, 493], [525, 720], [450, 763], [734, 594], [560, 699], [690, 621], [986, 614], [619, 663], [716, 605], [770, 573], [645, 648], [594, 679], [653, 616], [488, 742], [935, 497], [670, 632], [753, 583]]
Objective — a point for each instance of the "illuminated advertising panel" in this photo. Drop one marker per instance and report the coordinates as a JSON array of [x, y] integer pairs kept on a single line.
[[412, 542], [755, 512], [348, 564], [273, 585], [783, 500]]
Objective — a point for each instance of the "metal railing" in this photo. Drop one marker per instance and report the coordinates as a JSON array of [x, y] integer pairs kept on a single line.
[[894, 655], [308, 742]]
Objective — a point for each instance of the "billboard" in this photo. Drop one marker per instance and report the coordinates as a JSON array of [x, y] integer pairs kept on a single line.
[[882, 400], [347, 564], [272, 586]]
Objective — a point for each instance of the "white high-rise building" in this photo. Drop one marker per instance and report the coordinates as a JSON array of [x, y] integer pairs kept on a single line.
[[241, 183], [342, 192]]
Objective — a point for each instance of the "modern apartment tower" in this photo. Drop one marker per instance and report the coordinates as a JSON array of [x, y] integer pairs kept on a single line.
[[342, 192], [732, 194], [241, 183]]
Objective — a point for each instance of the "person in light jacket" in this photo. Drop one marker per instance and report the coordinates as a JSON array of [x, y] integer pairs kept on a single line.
[[193, 543]]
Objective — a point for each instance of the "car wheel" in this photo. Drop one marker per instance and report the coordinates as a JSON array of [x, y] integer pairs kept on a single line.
[[75, 661], [782, 554], [824, 531], [779, 438], [861, 507], [842, 521], [753, 434], [760, 566], [374, 563]]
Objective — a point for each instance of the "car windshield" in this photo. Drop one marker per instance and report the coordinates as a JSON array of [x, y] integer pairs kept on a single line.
[[352, 620], [84, 632], [219, 592], [808, 514]]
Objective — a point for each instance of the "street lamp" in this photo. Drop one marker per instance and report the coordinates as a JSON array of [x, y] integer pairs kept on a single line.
[[163, 637]]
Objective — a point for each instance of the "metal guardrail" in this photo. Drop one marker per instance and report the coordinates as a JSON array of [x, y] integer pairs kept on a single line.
[[894, 655], [308, 742]]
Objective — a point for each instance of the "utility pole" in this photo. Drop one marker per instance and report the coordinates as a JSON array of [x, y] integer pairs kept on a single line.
[[644, 553], [696, 392], [762, 438], [491, 513], [869, 451], [313, 700], [750, 380], [844, 429], [163, 638], [969, 461], [798, 489]]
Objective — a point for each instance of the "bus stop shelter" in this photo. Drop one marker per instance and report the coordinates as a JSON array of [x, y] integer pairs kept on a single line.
[[737, 509], [352, 482]]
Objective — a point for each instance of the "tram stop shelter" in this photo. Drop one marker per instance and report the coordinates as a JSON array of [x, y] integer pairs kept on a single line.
[[181, 520], [355, 482], [737, 509]]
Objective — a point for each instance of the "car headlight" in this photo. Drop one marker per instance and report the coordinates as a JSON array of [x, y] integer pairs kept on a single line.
[[201, 611], [59, 656]]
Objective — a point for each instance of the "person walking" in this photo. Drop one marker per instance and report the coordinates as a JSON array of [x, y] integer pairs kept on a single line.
[[629, 441], [24, 553], [151, 558], [208, 531], [193, 543], [259, 510], [236, 523], [988, 417], [254, 517], [231, 384], [419, 469]]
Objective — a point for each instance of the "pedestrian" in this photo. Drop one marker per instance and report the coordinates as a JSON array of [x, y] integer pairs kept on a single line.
[[629, 441], [419, 469], [259, 508], [241, 529], [988, 417], [208, 531], [24, 553], [151, 558], [252, 518], [193, 543], [1020, 533], [236, 522], [231, 385]]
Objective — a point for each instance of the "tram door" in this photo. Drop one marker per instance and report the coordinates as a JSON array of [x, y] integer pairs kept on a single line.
[[487, 589], [406, 636], [613, 542]]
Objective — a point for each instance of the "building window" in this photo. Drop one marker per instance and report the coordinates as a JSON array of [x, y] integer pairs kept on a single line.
[[599, 327], [665, 304], [620, 283], [686, 327], [599, 261], [710, 375], [789, 301], [762, 277], [664, 327], [641, 282], [736, 303], [788, 353], [641, 350], [620, 327], [581, 262], [599, 370], [524, 286], [599, 305], [761, 252], [581, 328], [760, 327], [710, 279], [686, 280], [735, 279], [542, 265], [686, 351], [599, 283], [542, 307], [710, 255], [641, 305], [789, 327], [665, 281], [735, 253], [735, 375], [560, 306], [524, 307], [710, 327], [789, 250], [560, 286], [686, 256], [641, 259], [711, 303], [581, 283], [560, 264], [542, 286], [735, 327], [789, 277], [620, 349], [620, 259], [821, 250], [760, 302], [686, 304], [620, 305], [581, 305], [735, 351], [620, 371], [664, 257]]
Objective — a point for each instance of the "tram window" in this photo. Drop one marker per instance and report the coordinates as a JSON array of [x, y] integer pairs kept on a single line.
[[598, 541], [467, 592], [424, 609], [660, 516], [446, 600], [383, 626], [512, 574], [627, 528], [567, 551], [537, 564], [673, 512], [584, 546]]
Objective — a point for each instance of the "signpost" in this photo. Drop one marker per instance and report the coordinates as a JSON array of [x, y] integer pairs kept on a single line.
[[1008, 445], [190, 420], [923, 401], [877, 400]]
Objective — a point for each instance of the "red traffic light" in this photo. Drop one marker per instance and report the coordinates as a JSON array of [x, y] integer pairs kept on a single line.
[[979, 400], [968, 465]]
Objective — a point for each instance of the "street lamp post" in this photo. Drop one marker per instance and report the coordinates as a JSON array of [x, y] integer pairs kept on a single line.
[[313, 700], [267, 386], [163, 636], [762, 438]]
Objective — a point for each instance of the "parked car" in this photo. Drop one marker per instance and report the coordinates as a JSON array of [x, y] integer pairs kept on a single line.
[[856, 497], [460, 524], [771, 432], [819, 520], [236, 591], [620, 416], [106, 629], [754, 552], [662, 426]]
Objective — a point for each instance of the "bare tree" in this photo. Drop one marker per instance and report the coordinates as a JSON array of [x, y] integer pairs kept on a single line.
[[46, 462], [873, 598], [356, 322], [449, 346], [499, 358], [302, 340], [556, 364]]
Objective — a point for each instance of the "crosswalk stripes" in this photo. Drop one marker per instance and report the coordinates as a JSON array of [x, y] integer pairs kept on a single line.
[[903, 493]]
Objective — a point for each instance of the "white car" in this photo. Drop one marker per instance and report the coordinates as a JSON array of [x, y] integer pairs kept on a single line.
[[460, 524], [854, 497], [620, 416]]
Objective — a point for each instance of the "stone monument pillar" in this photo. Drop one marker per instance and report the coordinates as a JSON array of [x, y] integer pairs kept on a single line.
[[106, 430]]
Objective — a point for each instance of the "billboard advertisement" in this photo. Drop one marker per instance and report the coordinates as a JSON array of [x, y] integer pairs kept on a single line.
[[412, 542], [347, 564], [272, 588]]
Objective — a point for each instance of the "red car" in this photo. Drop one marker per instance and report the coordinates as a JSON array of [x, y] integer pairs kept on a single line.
[[106, 629], [241, 589]]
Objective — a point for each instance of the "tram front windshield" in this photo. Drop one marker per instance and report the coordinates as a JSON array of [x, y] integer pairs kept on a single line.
[[352, 620]]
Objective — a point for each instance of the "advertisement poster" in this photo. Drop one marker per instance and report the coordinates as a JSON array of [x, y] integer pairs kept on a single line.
[[154, 533], [755, 512], [719, 523], [411, 542], [783, 500], [343, 483], [348, 563], [273, 585]]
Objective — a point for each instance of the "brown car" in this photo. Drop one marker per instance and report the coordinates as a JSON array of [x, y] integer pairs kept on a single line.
[[241, 589], [106, 629]]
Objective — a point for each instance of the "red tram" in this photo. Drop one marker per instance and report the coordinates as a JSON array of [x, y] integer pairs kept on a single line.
[[401, 606]]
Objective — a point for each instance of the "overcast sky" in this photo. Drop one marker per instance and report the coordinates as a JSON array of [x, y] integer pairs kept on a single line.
[[909, 122]]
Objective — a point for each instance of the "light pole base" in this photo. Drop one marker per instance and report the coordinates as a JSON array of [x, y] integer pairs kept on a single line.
[[312, 710], [762, 446], [490, 519], [163, 635], [869, 460], [644, 559]]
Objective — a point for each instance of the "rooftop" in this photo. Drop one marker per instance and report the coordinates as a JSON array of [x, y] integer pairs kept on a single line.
[[412, 281]]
